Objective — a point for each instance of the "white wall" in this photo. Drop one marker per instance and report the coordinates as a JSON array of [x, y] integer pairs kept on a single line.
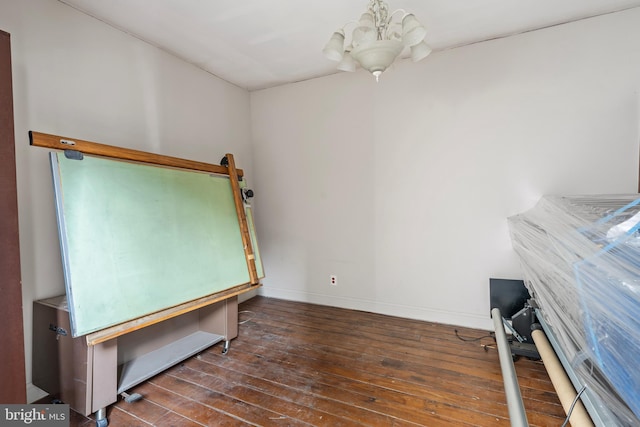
[[77, 77], [402, 188]]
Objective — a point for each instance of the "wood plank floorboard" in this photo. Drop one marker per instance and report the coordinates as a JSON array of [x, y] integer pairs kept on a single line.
[[299, 364]]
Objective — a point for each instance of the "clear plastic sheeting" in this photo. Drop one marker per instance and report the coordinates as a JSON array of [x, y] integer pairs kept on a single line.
[[581, 263]]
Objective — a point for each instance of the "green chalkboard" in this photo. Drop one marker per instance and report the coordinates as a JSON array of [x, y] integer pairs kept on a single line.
[[137, 239]]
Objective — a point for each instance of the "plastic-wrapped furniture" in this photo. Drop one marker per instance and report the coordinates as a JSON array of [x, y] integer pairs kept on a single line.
[[580, 257]]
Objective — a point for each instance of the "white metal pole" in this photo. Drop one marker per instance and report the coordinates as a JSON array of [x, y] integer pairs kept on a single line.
[[517, 414]]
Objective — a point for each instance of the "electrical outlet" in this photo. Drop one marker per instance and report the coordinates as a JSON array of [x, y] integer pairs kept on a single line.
[[333, 280]]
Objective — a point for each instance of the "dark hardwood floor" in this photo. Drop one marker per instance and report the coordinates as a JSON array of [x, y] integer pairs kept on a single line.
[[298, 364]]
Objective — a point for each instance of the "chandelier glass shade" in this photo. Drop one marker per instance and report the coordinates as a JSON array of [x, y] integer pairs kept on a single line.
[[377, 39]]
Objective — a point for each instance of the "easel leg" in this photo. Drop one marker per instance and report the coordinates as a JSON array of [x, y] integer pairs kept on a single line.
[[101, 418]]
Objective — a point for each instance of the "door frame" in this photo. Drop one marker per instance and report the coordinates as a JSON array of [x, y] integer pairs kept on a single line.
[[12, 363]]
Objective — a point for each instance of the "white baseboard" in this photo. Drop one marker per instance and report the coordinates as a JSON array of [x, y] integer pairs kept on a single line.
[[410, 312]]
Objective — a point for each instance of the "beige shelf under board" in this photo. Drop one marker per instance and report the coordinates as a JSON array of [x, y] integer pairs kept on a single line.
[[154, 362]]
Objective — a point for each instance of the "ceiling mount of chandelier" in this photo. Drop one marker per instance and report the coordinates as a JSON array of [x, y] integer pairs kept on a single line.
[[377, 40]]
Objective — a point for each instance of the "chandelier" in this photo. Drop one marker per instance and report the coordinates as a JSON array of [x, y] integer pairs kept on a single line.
[[377, 40]]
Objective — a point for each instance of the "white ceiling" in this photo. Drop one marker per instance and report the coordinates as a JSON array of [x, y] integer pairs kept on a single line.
[[257, 44]]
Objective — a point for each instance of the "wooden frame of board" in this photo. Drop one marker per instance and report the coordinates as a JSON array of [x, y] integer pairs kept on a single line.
[[63, 143]]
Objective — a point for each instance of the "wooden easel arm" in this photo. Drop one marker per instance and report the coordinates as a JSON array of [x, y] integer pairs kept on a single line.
[[242, 220]]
